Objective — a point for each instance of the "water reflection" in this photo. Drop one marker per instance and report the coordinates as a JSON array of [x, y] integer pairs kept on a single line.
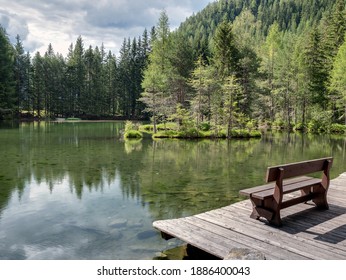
[[77, 191]]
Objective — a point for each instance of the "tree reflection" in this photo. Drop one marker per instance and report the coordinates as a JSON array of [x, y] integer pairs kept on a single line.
[[172, 178]]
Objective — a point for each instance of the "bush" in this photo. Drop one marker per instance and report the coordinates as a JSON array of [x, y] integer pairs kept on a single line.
[[204, 126], [299, 127], [255, 134], [252, 124], [337, 128], [147, 127], [131, 131], [133, 134], [165, 134], [167, 126], [190, 133], [130, 126], [320, 121], [279, 124]]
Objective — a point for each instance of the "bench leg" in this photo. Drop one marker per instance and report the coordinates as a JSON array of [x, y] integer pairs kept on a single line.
[[276, 220], [265, 209], [320, 197]]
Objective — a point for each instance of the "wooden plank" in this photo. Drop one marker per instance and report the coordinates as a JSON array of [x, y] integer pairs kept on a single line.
[[313, 224], [270, 251], [288, 188], [192, 237], [249, 191], [307, 233], [274, 236]]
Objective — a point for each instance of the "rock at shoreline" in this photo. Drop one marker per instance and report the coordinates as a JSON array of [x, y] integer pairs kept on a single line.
[[118, 223], [146, 234]]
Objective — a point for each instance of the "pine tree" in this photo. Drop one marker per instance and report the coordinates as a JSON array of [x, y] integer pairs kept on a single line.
[[269, 67], [338, 77], [22, 70], [38, 85], [226, 53], [317, 75], [157, 75], [201, 81], [8, 100], [76, 78]]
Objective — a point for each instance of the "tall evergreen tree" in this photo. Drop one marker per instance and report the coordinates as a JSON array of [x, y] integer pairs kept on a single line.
[[315, 63], [8, 98], [226, 53], [22, 75], [338, 78], [156, 76], [38, 85], [269, 67]]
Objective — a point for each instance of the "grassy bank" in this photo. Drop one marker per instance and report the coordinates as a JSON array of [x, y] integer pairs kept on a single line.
[[171, 130]]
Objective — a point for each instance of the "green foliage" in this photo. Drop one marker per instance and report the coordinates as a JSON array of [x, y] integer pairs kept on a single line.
[[146, 127], [226, 53], [337, 128], [278, 124], [133, 134], [320, 121], [299, 127], [166, 134], [131, 131], [204, 126], [7, 81], [233, 62], [167, 126], [129, 125], [190, 133]]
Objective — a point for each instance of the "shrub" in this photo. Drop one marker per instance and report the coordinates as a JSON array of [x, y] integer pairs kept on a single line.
[[147, 127], [252, 124], [133, 134], [165, 134], [255, 134], [190, 133], [129, 126], [320, 121], [131, 131], [167, 126], [204, 126], [279, 124], [337, 128], [299, 127]]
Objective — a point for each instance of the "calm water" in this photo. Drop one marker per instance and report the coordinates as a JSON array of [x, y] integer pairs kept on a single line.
[[77, 191]]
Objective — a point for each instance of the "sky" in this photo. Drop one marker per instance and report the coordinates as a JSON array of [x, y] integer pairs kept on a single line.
[[60, 22]]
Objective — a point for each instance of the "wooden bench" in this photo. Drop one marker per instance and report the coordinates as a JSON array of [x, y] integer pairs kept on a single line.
[[268, 200]]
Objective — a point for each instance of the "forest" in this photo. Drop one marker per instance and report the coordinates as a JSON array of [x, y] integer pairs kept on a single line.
[[235, 64]]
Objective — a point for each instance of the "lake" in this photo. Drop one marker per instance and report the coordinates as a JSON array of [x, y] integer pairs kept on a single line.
[[76, 190]]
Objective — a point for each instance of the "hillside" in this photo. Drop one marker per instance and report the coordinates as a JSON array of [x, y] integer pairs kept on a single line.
[[291, 15]]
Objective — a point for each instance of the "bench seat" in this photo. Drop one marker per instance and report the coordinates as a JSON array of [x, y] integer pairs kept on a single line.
[[250, 191], [287, 188]]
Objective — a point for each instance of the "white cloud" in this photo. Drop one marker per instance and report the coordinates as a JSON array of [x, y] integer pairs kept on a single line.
[[60, 22], [14, 25]]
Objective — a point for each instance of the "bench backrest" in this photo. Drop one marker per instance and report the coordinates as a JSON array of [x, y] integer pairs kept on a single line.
[[298, 168]]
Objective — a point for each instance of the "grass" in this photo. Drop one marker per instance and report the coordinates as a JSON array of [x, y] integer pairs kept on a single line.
[[72, 119], [133, 134], [197, 134]]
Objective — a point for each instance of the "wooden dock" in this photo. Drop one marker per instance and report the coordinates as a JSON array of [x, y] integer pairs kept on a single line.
[[307, 233]]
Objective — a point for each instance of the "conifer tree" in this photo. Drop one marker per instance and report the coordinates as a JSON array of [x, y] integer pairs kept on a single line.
[[22, 74], [156, 77], [8, 99], [338, 77]]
